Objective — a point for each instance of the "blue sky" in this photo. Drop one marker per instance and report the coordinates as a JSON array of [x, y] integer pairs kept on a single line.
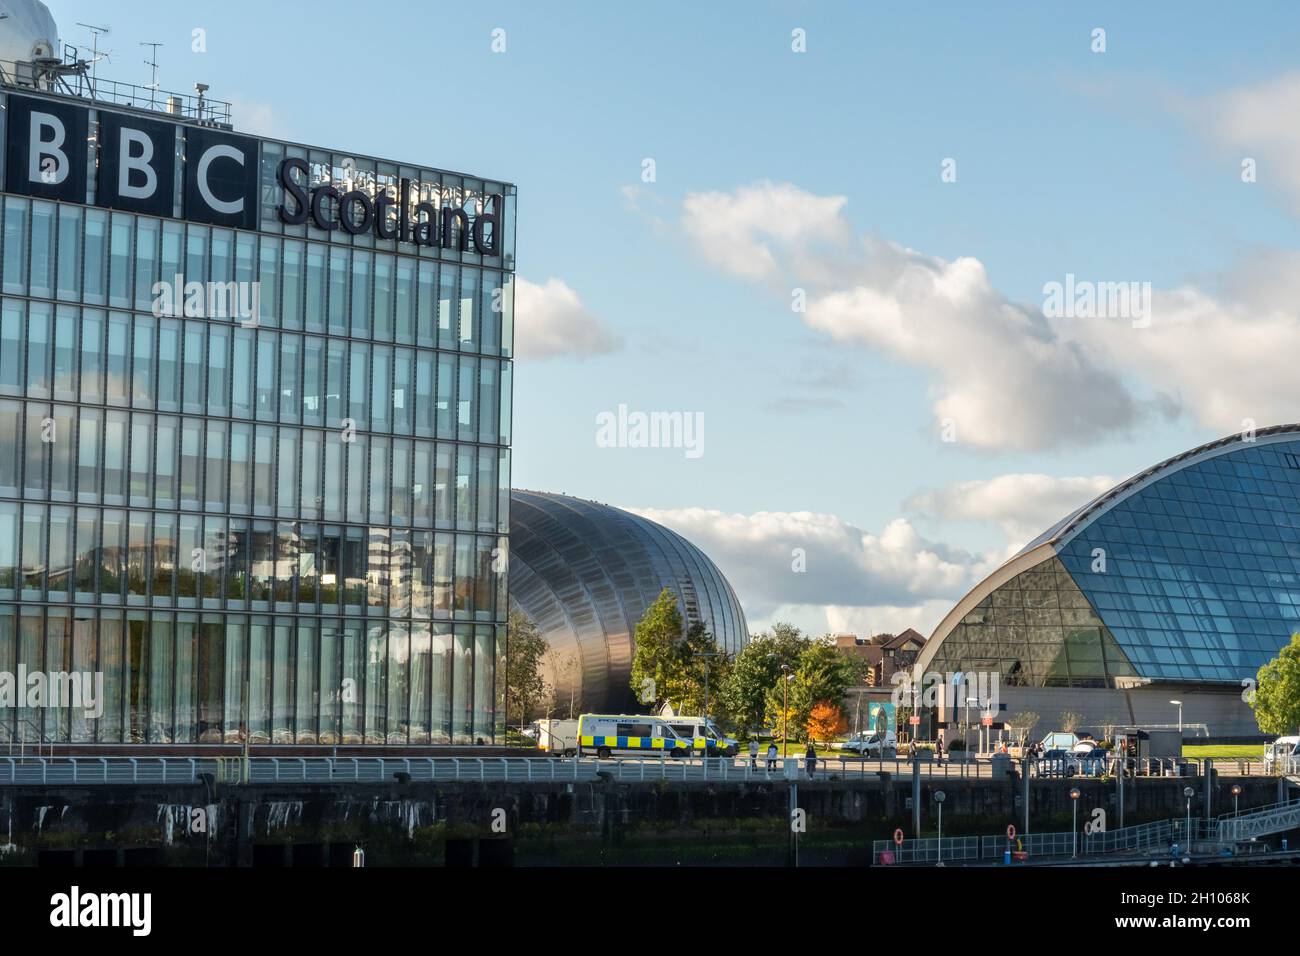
[[822, 430]]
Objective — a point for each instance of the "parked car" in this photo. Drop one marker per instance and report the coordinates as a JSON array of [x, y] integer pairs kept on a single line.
[[869, 744], [1058, 763], [1092, 763]]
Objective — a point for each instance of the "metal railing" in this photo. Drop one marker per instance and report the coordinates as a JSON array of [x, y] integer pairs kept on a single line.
[[22, 740], [67, 79], [52, 771]]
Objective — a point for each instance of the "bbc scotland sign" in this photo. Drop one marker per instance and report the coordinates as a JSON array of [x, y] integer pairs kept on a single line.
[[137, 160]]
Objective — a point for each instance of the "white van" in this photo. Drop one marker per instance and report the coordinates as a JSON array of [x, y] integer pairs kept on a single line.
[[608, 735], [1282, 755], [558, 736]]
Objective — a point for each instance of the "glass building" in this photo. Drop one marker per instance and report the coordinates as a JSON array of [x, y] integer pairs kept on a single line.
[[286, 518], [1186, 573], [585, 573]]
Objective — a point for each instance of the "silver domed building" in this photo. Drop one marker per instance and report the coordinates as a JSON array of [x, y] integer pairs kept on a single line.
[[585, 573]]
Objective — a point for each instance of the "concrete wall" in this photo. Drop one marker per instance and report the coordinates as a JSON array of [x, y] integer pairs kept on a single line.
[[595, 823], [1224, 712]]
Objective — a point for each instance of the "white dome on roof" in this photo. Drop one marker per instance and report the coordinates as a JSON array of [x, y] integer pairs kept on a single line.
[[28, 31]]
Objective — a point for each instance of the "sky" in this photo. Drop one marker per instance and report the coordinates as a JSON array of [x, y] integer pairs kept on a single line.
[[827, 234]]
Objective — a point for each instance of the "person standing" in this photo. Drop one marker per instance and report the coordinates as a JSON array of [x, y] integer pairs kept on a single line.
[[938, 748], [753, 752], [810, 756], [771, 756]]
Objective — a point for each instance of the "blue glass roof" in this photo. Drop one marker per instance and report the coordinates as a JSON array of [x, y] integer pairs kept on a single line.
[[1202, 565]]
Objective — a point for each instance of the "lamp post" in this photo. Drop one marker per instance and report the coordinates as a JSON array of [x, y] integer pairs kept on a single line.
[[1074, 796], [939, 796], [785, 712], [1179, 705], [708, 659], [1236, 792], [1188, 792], [965, 733]]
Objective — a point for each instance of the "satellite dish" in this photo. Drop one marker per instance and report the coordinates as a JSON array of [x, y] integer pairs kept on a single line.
[[28, 33]]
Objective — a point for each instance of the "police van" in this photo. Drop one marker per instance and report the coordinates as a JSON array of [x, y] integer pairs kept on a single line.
[[608, 735]]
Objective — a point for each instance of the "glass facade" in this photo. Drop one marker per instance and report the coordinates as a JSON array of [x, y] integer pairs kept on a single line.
[[1200, 582], [287, 517], [585, 574]]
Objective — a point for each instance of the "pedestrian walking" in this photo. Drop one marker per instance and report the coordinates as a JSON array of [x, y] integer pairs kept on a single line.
[[771, 756], [753, 752], [938, 750], [810, 757]]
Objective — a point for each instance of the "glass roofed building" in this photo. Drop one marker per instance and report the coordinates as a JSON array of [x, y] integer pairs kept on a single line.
[[585, 573], [1186, 575]]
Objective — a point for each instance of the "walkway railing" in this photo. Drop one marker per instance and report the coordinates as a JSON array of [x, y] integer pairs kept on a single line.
[[53, 771]]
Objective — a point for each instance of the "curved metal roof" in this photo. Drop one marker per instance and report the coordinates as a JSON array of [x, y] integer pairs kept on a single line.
[[585, 573], [1071, 524], [1055, 540]]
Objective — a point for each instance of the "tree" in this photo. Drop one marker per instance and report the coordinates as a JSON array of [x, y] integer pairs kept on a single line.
[[823, 721], [657, 661], [1070, 721], [821, 673], [1025, 722], [1276, 700], [565, 670], [699, 674], [524, 651], [756, 671]]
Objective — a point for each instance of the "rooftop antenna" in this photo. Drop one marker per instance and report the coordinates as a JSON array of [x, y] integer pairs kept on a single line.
[[152, 62], [94, 49]]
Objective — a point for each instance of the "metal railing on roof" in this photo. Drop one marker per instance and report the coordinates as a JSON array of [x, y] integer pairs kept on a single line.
[[70, 78]]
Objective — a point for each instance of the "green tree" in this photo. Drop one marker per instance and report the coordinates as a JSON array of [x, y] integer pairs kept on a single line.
[[755, 672], [525, 686], [699, 670], [657, 664], [1277, 693], [822, 674]]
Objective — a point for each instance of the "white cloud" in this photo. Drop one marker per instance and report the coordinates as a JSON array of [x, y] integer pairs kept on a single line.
[[846, 566], [551, 321], [743, 232], [1002, 374], [1259, 122], [819, 619], [860, 582], [1222, 360], [1023, 506], [1005, 376]]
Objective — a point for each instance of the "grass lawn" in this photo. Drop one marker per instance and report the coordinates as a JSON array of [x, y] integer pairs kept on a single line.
[[1225, 751]]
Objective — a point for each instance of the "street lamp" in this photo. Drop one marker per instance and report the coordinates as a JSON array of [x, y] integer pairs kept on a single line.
[[708, 658], [785, 712], [1236, 792], [1188, 792], [1074, 795], [939, 796], [1179, 704], [965, 735]]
